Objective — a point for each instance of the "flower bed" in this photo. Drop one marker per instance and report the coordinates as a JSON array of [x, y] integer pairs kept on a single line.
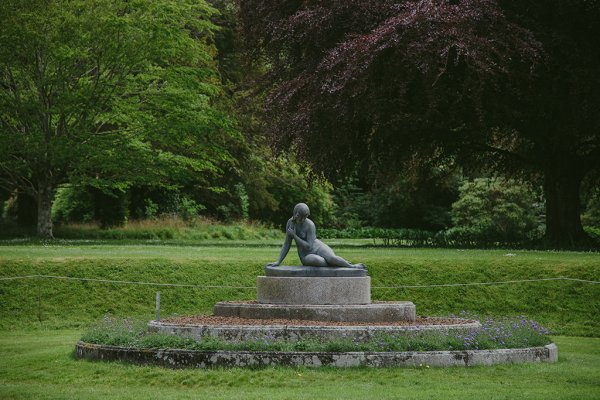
[[504, 333]]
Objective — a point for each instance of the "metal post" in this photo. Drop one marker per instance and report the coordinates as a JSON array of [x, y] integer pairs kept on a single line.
[[158, 306]]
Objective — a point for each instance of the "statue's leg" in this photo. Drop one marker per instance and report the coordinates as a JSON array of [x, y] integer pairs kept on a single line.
[[336, 261], [314, 260], [330, 259]]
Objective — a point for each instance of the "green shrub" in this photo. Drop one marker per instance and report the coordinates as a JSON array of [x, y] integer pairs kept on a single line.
[[417, 199], [167, 228], [116, 331], [495, 210], [87, 204], [188, 208], [242, 195], [593, 232], [387, 237], [463, 236], [150, 209], [72, 205], [591, 215], [276, 184]]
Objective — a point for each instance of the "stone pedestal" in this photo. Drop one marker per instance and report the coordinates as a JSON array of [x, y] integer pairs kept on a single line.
[[317, 294], [313, 290]]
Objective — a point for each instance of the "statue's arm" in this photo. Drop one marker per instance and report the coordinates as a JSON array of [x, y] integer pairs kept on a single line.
[[311, 236], [284, 249]]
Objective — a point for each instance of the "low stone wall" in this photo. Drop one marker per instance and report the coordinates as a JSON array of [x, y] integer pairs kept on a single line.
[[205, 359], [291, 332]]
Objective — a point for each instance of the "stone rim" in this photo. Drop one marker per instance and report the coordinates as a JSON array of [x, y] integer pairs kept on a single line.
[[177, 358], [464, 323], [356, 333]]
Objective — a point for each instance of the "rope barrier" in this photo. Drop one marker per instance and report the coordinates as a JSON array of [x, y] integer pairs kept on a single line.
[[71, 278], [484, 283], [254, 287]]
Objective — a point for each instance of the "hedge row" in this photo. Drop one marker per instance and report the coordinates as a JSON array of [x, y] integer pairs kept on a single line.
[[453, 237]]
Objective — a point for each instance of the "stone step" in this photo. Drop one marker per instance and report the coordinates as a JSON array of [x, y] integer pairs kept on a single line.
[[173, 358], [358, 334], [375, 312]]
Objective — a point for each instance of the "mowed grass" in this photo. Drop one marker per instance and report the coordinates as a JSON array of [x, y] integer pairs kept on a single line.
[[41, 320], [40, 365], [567, 307]]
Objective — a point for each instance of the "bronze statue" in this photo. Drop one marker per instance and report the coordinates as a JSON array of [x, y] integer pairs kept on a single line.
[[312, 251]]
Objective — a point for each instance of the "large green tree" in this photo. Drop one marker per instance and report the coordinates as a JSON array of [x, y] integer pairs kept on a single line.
[[504, 84], [108, 93]]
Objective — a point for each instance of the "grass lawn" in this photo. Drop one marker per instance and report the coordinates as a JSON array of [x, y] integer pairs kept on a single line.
[[40, 365], [568, 308], [41, 319]]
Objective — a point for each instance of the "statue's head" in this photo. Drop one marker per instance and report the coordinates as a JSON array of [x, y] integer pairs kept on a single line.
[[301, 212]]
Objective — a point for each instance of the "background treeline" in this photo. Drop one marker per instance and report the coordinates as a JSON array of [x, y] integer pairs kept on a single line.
[[196, 153], [465, 212]]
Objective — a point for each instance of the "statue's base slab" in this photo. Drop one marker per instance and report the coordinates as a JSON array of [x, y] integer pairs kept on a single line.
[[313, 290], [306, 271], [371, 313]]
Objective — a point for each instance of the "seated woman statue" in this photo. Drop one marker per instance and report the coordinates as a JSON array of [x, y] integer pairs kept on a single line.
[[312, 251]]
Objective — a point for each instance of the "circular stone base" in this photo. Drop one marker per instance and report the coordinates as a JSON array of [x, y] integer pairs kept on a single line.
[[376, 312], [313, 290], [299, 331], [206, 359]]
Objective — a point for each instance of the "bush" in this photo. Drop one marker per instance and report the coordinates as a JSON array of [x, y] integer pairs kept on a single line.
[[594, 232], [168, 228], [188, 208], [72, 205], [421, 202], [276, 185], [495, 210], [591, 215], [388, 237], [86, 204]]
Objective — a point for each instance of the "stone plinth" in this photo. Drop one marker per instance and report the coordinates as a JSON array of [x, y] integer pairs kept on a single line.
[[313, 290], [357, 334], [373, 313], [306, 271]]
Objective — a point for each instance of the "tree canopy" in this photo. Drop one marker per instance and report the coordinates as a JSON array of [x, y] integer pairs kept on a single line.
[[509, 85], [108, 93]]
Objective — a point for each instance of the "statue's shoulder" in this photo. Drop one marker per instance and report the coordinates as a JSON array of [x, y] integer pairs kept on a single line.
[[310, 223]]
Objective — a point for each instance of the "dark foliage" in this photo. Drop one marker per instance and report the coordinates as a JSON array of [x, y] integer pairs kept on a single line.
[[389, 78], [511, 85], [417, 200]]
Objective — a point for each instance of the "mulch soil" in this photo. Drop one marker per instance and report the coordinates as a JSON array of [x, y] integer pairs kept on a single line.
[[214, 320]]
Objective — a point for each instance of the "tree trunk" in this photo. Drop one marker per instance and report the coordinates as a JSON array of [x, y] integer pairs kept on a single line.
[[45, 198], [563, 219]]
